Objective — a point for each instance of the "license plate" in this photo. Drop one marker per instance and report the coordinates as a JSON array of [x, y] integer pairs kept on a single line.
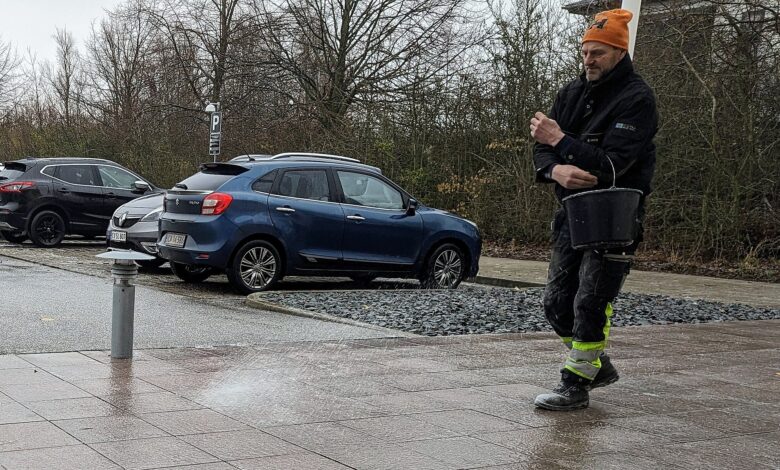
[[175, 240], [118, 236]]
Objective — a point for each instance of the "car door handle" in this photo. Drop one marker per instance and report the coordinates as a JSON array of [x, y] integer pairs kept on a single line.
[[110, 194], [63, 190], [285, 209], [355, 217]]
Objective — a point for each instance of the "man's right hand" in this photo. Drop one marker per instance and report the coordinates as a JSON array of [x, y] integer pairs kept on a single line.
[[572, 177]]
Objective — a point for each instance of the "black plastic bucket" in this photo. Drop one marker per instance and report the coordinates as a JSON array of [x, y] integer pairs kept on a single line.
[[603, 218]]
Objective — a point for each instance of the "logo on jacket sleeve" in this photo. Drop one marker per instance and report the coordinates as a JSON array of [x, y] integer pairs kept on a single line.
[[628, 127]]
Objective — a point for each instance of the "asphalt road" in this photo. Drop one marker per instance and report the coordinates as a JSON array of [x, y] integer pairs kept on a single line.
[[48, 309]]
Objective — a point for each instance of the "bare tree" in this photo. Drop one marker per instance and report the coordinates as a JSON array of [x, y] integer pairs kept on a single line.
[[119, 50], [63, 80], [202, 35], [9, 74], [341, 52]]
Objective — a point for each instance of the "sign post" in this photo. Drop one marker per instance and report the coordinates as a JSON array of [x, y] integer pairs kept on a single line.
[[634, 6], [215, 131]]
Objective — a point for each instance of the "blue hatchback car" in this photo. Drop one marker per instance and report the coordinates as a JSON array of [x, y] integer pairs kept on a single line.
[[300, 214]]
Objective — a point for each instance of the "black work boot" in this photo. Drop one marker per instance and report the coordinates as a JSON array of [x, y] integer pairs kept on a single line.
[[570, 394], [607, 374]]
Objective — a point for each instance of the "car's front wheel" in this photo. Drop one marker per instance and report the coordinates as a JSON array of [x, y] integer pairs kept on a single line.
[[255, 267], [14, 237], [47, 229], [191, 273], [444, 268]]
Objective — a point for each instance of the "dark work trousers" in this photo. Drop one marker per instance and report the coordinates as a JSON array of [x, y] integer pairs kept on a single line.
[[581, 286]]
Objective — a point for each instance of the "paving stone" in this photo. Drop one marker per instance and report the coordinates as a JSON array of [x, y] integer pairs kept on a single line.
[[77, 457], [109, 428], [153, 453], [12, 412], [235, 445], [73, 408], [21, 436], [193, 422], [307, 460]]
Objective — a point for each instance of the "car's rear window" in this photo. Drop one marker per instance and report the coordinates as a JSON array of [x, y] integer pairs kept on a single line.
[[203, 181], [11, 170], [210, 177]]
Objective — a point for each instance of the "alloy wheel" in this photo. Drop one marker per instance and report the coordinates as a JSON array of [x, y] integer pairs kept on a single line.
[[447, 268], [258, 267], [47, 229]]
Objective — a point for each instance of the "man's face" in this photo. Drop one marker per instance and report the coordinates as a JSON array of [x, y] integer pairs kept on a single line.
[[599, 59]]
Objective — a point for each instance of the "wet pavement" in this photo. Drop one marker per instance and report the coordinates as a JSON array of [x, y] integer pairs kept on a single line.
[[299, 393], [707, 398], [52, 310]]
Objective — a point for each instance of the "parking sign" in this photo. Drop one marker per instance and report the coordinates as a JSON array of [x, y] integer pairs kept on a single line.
[[216, 122]]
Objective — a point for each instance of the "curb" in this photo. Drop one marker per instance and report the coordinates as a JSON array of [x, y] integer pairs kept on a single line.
[[256, 301], [499, 282]]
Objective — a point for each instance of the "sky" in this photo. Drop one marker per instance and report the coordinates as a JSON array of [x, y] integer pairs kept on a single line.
[[32, 23]]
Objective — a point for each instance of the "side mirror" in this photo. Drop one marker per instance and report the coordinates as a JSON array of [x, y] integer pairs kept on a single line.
[[141, 186], [411, 209]]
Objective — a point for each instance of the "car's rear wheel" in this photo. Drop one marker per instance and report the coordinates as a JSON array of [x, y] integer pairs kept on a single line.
[[191, 273], [14, 237], [256, 267], [47, 229], [444, 268]]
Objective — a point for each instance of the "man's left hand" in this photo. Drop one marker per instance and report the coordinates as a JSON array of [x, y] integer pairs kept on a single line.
[[545, 130]]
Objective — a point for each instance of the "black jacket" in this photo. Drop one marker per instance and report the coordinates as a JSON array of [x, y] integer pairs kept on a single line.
[[614, 117]]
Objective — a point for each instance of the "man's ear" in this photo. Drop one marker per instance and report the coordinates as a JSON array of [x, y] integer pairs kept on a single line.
[[623, 53]]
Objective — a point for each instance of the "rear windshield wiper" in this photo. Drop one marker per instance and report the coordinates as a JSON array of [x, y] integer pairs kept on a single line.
[[180, 186]]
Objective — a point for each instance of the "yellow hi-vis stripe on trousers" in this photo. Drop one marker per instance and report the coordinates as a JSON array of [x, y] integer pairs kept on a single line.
[[583, 358]]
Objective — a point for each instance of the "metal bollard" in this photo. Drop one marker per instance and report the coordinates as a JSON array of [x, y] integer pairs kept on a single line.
[[124, 271]]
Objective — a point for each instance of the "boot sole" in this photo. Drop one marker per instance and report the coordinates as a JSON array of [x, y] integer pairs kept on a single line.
[[604, 383], [547, 406]]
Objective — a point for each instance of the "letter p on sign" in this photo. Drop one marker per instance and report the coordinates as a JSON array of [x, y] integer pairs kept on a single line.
[[216, 122]]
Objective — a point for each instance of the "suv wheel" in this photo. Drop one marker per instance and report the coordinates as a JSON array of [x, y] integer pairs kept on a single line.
[[444, 268], [191, 273], [255, 267], [14, 237], [47, 229]]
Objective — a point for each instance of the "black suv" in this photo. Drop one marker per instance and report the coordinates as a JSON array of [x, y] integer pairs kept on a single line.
[[47, 198]]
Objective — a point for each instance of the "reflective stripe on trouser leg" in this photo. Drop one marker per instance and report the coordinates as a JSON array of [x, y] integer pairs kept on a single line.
[[583, 358]]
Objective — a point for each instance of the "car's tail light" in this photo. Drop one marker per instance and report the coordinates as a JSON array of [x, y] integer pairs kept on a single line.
[[16, 186], [215, 203]]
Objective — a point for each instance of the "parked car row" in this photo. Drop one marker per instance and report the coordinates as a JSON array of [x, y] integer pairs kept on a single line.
[[256, 218]]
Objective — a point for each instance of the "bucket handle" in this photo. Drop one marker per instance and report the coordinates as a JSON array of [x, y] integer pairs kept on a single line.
[[614, 176]]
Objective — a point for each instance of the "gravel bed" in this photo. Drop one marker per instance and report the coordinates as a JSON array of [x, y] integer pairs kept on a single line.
[[476, 310]]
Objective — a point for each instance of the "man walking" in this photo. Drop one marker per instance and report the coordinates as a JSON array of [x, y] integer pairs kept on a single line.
[[606, 115]]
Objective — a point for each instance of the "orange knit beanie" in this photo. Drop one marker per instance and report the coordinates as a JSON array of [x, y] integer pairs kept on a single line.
[[610, 27]]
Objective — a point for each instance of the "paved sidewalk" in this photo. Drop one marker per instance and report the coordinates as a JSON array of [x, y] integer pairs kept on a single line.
[[707, 398], [509, 272], [690, 396]]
